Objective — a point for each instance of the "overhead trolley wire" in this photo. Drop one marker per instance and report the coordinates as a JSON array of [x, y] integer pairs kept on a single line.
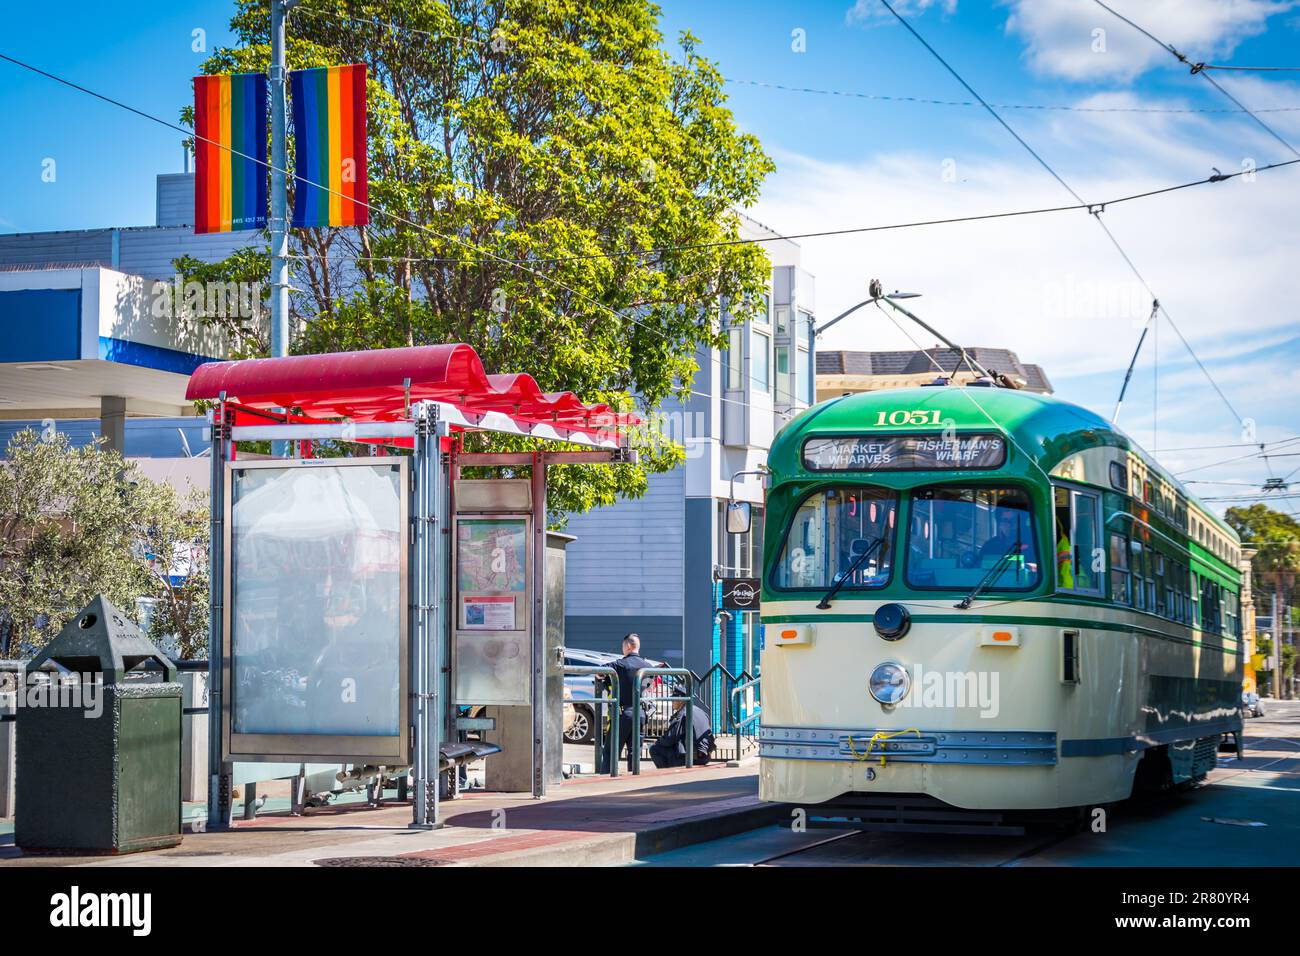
[[1094, 209], [1201, 69]]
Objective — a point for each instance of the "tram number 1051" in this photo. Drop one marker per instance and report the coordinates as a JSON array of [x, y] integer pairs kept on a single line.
[[919, 416]]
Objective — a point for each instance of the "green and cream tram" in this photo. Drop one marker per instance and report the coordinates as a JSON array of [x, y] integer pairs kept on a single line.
[[990, 597]]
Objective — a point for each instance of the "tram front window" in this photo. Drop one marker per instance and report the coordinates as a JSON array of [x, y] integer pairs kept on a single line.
[[831, 529], [959, 535]]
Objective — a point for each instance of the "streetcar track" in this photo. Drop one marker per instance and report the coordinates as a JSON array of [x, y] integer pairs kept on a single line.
[[810, 846]]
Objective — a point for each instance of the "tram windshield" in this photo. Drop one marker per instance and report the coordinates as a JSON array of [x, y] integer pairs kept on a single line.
[[957, 536], [830, 531]]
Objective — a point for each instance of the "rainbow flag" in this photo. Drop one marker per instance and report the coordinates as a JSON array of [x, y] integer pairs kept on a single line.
[[230, 120], [329, 128]]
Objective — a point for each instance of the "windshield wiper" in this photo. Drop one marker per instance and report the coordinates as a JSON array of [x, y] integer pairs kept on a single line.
[[965, 603], [848, 572]]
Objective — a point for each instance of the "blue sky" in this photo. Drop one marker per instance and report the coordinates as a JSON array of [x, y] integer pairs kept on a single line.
[[1220, 257]]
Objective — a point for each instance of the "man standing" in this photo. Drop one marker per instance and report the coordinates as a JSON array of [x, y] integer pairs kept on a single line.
[[627, 666]]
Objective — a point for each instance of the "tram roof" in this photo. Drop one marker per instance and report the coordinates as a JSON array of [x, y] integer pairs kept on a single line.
[[1042, 427]]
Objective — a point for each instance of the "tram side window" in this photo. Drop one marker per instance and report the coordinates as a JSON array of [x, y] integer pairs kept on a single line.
[[1210, 610], [1168, 595], [1149, 579], [1181, 605], [1077, 533], [1144, 582], [1119, 569]]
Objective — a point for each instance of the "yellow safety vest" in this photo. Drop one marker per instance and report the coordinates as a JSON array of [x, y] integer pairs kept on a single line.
[[1064, 563]]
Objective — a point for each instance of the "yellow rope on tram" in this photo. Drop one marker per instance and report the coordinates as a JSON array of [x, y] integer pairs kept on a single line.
[[880, 737]]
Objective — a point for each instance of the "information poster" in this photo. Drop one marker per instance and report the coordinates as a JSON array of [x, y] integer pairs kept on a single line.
[[488, 612], [491, 572], [493, 643], [316, 597]]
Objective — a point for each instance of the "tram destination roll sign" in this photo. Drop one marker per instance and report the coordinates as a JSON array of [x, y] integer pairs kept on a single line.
[[904, 453]]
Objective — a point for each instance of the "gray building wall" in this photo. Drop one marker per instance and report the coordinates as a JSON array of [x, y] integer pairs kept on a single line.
[[625, 572], [140, 250], [145, 251]]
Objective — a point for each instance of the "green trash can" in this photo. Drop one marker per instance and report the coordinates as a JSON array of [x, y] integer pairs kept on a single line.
[[99, 740]]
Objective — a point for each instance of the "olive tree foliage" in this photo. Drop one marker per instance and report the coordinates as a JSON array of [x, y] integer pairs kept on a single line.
[[530, 162], [78, 522]]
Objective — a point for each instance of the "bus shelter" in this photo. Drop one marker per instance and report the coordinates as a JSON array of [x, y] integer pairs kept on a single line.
[[332, 601]]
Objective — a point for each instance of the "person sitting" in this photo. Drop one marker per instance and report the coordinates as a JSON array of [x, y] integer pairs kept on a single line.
[[1008, 536], [670, 749]]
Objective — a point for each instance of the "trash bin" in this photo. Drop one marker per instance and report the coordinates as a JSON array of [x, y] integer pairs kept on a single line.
[[99, 740]]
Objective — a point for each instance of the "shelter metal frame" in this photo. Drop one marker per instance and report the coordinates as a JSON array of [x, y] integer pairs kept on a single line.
[[428, 425]]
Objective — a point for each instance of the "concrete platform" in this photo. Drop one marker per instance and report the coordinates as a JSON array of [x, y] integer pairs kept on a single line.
[[587, 822]]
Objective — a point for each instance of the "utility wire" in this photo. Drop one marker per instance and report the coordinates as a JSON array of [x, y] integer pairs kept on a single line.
[[853, 230], [1201, 68], [1056, 107], [984, 103], [1262, 453], [1251, 69], [657, 250], [420, 226], [395, 27], [1096, 210]]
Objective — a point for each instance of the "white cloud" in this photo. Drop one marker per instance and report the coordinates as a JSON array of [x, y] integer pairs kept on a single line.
[[1062, 37], [873, 11], [1221, 257]]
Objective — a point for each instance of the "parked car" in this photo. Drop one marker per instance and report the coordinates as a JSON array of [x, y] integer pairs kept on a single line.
[[580, 727], [1251, 705]]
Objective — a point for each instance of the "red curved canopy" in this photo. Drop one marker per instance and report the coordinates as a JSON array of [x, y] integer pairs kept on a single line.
[[370, 386]]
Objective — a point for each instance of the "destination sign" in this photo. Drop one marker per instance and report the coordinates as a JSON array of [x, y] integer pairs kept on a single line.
[[904, 453]]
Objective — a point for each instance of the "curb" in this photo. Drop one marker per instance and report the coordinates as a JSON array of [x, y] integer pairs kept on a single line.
[[613, 849]]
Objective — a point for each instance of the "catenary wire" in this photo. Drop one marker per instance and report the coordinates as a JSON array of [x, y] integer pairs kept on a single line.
[[1096, 209]]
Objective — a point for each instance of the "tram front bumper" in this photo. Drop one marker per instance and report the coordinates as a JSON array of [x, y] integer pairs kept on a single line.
[[977, 748], [978, 770]]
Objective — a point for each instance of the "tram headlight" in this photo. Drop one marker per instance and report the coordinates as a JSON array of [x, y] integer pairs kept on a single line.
[[891, 621], [889, 682]]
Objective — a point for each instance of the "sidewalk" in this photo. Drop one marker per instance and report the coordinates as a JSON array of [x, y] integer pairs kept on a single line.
[[591, 822]]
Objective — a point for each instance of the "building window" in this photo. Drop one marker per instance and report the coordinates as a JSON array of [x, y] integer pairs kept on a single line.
[[760, 362], [805, 376], [735, 359], [782, 316], [783, 393], [803, 328], [763, 316]]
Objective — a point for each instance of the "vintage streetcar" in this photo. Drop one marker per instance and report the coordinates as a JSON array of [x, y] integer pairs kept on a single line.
[[990, 598]]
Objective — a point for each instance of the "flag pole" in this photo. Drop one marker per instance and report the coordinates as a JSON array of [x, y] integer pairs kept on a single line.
[[279, 195]]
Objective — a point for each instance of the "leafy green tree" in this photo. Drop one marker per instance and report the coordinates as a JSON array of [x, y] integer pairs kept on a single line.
[[175, 542], [1276, 536], [77, 522], [512, 145], [1275, 566]]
